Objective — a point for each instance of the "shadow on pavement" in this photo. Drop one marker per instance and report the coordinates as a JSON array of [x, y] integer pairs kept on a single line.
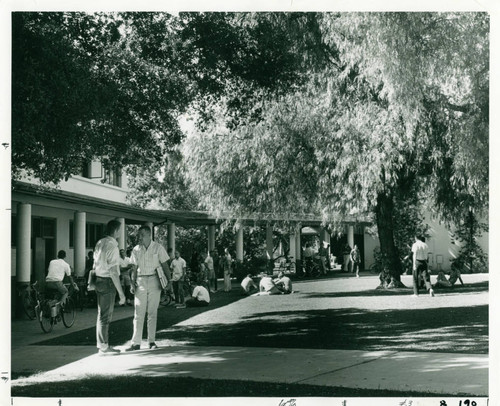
[[121, 330], [445, 329]]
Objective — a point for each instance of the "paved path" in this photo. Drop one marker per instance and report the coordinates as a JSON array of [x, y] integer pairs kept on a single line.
[[434, 372]]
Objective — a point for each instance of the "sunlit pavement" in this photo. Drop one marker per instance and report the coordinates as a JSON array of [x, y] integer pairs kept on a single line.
[[433, 372]]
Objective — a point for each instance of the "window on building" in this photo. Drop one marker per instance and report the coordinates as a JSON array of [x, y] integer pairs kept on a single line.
[[13, 231], [93, 233], [113, 177], [43, 227]]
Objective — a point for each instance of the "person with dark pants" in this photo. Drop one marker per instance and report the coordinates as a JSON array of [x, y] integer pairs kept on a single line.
[[178, 266], [420, 252], [106, 265]]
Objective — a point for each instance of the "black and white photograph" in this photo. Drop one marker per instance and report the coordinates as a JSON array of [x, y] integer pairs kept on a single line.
[[282, 204]]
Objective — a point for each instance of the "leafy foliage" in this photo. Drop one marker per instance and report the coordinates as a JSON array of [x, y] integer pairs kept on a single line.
[[471, 257]]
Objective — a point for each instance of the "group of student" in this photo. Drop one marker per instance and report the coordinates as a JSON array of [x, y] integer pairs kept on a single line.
[[282, 285]]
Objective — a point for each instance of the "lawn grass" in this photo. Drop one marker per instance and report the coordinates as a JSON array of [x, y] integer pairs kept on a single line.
[[137, 386]]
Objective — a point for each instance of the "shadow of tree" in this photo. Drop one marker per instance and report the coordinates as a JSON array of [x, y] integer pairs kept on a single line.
[[457, 290], [445, 329], [121, 330]]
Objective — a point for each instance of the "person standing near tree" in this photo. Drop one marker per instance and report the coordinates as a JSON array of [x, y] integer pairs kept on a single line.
[[346, 254], [178, 267], [227, 263], [355, 259], [106, 265], [212, 280], [420, 252], [147, 257]]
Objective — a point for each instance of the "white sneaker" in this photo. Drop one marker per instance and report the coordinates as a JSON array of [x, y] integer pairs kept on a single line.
[[431, 292]]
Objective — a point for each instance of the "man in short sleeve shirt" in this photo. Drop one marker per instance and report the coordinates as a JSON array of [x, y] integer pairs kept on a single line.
[[146, 257], [106, 265], [420, 252]]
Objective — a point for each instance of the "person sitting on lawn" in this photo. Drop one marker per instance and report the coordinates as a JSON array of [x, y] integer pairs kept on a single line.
[[454, 276], [248, 285], [200, 296], [441, 281], [267, 286], [283, 283]]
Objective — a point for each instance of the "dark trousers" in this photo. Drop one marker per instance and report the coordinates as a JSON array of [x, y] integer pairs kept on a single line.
[[421, 269], [106, 292], [194, 302], [178, 291]]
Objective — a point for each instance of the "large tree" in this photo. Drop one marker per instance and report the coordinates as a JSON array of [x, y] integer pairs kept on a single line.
[[402, 111], [113, 85]]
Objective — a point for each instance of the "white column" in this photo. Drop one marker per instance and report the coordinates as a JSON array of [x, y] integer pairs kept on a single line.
[[328, 241], [298, 245], [239, 243], [171, 237], [211, 237], [23, 244], [122, 239], [292, 252], [350, 235], [80, 219], [269, 241], [152, 228]]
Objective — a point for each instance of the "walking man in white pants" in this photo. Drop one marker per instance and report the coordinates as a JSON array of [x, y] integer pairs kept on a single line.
[[146, 257]]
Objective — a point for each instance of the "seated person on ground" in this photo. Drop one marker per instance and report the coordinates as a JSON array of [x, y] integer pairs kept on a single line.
[[248, 285], [58, 268], [267, 286], [200, 296], [454, 276], [283, 283], [441, 281]]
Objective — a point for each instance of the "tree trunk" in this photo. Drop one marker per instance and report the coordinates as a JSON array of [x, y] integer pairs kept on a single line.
[[385, 226]]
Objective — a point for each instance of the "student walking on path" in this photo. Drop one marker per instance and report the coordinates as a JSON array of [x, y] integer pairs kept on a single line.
[[355, 260], [420, 269], [146, 257]]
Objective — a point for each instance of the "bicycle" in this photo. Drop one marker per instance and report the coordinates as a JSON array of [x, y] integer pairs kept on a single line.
[[166, 297], [49, 311], [311, 268], [286, 264], [28, 300]]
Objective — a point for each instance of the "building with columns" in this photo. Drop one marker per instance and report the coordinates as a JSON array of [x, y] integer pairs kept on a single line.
[[73, 217]]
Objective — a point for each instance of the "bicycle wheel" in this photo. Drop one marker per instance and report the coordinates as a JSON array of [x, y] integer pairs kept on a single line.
[[315, 271], [28, 305], [68, 313], [46, 321], [165, 298]]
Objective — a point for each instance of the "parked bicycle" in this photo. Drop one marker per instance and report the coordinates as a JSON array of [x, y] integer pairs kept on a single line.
[[50, 311], [311, 268], [28, 300], [166, 297], [285, 264]]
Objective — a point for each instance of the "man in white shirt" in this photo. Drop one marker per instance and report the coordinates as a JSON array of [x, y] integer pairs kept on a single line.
[[283, 283], [248, 285], [267, 286], [106, 265], [146, 257], [200, 296], [178, 266], [420, 252], [209, 262], [58, 269]]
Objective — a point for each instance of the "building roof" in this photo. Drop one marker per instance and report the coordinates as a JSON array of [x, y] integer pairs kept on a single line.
[[133, 214]]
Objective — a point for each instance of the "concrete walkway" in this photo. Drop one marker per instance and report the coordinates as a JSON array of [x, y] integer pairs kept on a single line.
[[433, 372]]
